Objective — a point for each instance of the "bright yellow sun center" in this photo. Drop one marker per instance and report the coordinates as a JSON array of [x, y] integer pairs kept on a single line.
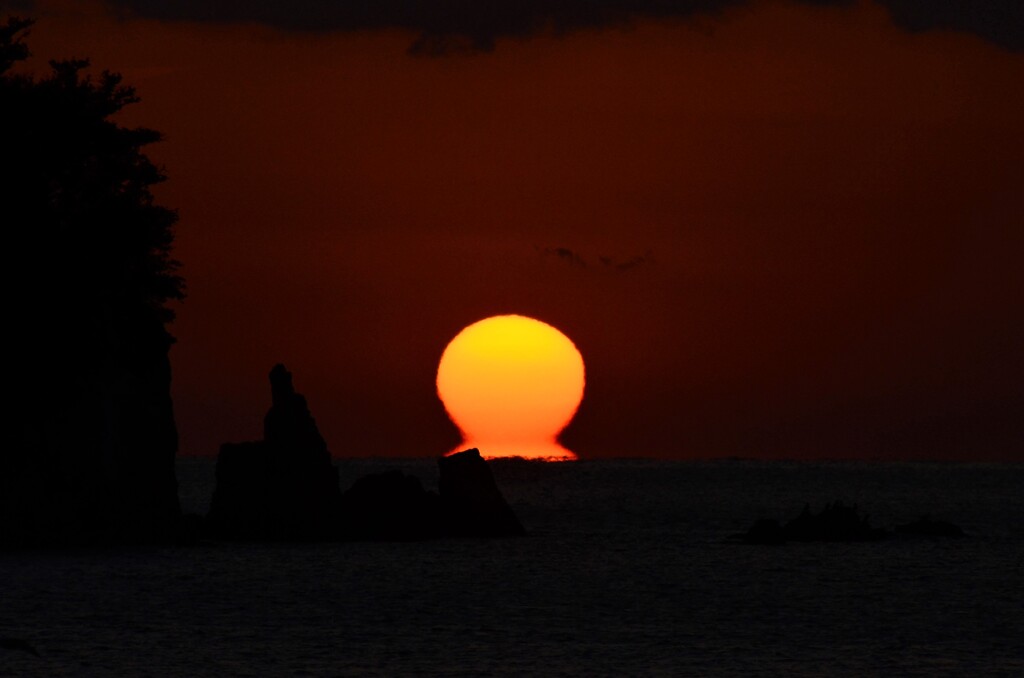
[[511, 384]]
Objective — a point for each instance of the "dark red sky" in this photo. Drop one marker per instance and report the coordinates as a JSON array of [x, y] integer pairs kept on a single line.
[[797, 229]]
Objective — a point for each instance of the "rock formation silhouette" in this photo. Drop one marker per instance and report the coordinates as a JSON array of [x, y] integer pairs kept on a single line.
[[90, 437], [836, 522], [840, 523], [283, 487], [18, 644], [471, 504], [392, 505]]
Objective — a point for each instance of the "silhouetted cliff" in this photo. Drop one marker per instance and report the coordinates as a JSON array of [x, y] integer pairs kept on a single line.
[[90, 433]]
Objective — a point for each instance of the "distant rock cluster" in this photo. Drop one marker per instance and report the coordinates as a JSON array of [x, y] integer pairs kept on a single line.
[[838, 522], [285, 487]]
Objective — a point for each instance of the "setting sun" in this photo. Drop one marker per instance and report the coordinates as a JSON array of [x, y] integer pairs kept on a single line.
[[511, 384]]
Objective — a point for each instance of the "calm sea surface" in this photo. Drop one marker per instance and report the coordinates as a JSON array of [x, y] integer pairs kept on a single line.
[[627, 570]]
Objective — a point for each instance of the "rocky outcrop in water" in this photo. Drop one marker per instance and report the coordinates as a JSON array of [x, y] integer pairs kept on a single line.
[[394, 506], [18, 644], [835, 522], [838, 522], [283, 487], [389, 506], [471, 504]]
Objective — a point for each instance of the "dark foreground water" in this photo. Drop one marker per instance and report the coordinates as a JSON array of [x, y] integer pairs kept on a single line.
[[627, 571]]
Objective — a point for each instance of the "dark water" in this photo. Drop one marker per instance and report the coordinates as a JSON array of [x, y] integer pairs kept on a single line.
[[627, 571]]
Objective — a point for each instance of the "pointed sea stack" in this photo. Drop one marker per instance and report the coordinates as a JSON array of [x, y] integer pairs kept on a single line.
[[283, 487], [471, 504]]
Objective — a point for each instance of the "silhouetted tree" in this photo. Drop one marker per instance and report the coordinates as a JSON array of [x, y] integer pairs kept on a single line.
[[91, 439]]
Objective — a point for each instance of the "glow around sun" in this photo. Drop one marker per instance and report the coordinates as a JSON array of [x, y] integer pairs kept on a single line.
[[511, 384]]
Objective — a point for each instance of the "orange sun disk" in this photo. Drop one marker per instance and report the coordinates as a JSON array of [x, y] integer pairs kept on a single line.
[[511, 384]]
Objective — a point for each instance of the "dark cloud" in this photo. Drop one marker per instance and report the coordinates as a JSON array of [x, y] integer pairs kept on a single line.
[[998, 21], [564, 254], [452, 25], [626, 264], [608, 263], [463, 22], [17, 6]]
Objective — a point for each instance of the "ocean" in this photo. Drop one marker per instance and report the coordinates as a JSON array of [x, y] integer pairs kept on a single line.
[[628, 569]]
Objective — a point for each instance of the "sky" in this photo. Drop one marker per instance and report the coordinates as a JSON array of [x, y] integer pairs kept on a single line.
[[774, 229]]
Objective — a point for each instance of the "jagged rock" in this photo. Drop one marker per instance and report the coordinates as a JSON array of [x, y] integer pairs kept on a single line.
[[390, 506], [471, 504], [283, 487], [927, 527]]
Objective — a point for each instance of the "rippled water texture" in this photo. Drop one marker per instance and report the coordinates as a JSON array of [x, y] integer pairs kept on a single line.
[[627, 570]]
